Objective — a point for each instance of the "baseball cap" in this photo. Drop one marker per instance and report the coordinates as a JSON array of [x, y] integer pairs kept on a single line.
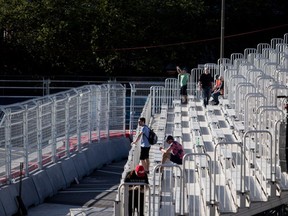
[[139, 169]]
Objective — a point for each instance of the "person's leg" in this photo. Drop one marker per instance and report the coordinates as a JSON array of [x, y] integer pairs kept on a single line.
[[141, 204], [204, 96], [185, 94], [217, 97], [130, 207], [182, 94], [208, 93], [144, 158], [175, 159], [144, 164], [165, 157], [136, 199], [213, 96]]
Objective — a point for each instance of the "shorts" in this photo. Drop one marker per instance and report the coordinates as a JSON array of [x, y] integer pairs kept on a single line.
[[175, 159], [183, 90], [144, 153]]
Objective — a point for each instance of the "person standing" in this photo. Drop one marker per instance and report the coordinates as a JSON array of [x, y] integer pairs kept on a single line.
[[205, 84], [145, 145], [137, 175], [174, 152], [184, 78]]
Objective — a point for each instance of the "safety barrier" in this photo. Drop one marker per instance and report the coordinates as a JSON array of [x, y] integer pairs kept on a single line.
[[249, 152], [130, 200], [42, 131]]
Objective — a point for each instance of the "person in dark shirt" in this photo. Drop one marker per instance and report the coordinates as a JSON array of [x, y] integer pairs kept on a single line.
[[138, 175], [205, 84]]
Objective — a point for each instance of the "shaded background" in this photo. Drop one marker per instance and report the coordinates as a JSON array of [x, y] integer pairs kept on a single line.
[[100, 39]]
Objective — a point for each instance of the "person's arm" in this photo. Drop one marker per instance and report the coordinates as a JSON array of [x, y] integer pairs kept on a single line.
[[178, 69], [138, 138], [212, 82], [200, 83], [165, 150], [127, 177]]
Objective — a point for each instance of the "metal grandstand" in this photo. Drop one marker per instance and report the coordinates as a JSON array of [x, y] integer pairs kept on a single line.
[[235, 162], [236, 152]]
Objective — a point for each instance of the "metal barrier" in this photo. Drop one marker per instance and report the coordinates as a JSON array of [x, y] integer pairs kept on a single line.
[[172, 91], [140, 102], [264, 151], [127, 198], [170, 197], [221, 156], [42, 131], [254, 80], [205, 193], [158, 97]]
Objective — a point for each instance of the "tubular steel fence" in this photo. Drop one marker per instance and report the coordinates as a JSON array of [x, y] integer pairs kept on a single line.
[[42, 131]]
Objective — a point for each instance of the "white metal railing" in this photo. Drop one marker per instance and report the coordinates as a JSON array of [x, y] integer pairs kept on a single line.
[[252, 83], [43, 130], [128, 199]]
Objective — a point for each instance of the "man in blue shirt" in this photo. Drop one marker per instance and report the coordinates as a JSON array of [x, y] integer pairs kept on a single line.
[[144, 143]]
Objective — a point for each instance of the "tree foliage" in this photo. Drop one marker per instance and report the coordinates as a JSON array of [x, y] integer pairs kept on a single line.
[[132, 37]]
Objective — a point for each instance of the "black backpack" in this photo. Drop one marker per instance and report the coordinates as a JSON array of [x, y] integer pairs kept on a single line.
[[152, 137]]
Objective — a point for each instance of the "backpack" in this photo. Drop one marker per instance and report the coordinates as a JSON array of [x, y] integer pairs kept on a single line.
[[152, 137]]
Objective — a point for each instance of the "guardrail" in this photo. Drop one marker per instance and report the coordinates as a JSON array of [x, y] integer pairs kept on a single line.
[[44, 130]]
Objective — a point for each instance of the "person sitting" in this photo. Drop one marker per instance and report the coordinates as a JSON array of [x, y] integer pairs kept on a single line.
[[218, 90], [174, 152], [138, 175]]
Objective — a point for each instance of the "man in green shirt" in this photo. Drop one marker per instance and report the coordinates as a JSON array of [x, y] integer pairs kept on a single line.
[[184, 78]]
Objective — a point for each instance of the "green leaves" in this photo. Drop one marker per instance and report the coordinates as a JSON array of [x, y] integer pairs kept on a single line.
[[117, 37]]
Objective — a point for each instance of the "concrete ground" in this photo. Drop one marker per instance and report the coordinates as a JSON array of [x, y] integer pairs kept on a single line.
[[93, 195]]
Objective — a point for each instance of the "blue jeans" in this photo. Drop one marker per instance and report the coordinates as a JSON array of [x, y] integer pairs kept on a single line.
[[206, 94], [215, 97]]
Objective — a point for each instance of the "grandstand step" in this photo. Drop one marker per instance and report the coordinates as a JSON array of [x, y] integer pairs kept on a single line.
[[239, 126], [177, 110], [85, 211], [231, 113], [176, 103], [194, 126], [193, 114], [177, 133], [256, 194], [217, 134]]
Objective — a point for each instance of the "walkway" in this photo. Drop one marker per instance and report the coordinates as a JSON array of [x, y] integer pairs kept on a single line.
[[95, 192]]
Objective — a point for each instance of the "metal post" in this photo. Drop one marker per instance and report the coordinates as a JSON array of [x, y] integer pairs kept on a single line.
[[222, 29]]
